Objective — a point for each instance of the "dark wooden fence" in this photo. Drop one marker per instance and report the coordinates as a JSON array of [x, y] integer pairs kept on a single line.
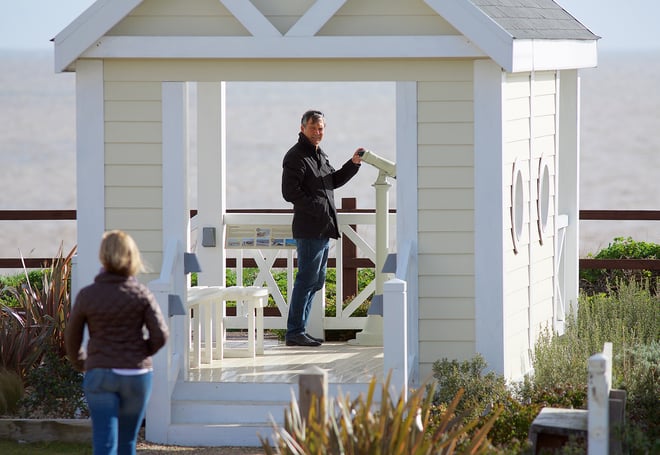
[[350, 260], [620, 215]]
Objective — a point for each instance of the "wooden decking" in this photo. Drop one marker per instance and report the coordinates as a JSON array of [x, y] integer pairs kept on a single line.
[[345, 363]]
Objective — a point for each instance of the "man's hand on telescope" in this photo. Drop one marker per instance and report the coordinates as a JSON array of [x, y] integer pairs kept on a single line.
[[357, 156]]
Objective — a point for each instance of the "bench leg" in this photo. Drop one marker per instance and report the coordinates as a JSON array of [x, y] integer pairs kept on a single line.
[[196, 328], [220, 335], [251, 347], [260, 329], [208, 334]]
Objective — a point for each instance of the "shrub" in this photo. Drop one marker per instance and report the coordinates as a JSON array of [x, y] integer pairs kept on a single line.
[[11, 391], [628, 316], [482, 391], [600, 280], [54, 390], [640, 377], [393, 427], [33, 277]]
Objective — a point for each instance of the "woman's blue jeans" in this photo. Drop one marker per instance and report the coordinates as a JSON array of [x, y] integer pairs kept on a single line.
[[117, 404], [312, 264]]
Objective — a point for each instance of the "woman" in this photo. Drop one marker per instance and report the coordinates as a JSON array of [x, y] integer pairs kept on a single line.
[[126, 327]]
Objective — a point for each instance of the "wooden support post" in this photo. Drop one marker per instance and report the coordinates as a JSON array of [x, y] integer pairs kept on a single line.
[[313, 391], [349, 271]]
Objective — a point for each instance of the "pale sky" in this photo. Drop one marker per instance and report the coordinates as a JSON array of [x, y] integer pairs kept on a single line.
[[622, 24]]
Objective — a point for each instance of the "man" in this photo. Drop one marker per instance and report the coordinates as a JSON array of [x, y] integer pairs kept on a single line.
[[308, 182]]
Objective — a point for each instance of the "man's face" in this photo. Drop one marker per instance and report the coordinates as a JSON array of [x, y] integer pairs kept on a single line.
[[313, 130]]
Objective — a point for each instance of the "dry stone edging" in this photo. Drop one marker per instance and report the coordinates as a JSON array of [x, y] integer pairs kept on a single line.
[[46, 430]]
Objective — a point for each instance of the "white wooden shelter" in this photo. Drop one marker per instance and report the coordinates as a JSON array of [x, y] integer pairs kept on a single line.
[[487, 135]]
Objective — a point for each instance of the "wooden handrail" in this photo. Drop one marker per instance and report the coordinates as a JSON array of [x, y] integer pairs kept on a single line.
[[622, 264], [620, 215], [30, 215]]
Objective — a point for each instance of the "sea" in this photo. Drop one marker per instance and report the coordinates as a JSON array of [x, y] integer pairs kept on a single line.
[[619, 163]]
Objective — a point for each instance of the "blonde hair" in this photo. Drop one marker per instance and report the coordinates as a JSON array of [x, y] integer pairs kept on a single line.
[[119, 254]]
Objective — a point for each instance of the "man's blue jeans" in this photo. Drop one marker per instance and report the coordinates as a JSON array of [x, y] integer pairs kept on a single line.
[[312, 264], [117, 404]]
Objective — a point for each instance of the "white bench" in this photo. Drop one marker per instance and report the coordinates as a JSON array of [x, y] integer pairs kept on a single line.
[[208, 305]]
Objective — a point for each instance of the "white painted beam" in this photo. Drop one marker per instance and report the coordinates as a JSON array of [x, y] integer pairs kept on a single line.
[[488, 214], [251, 18], [211, 179], [90, 177], [315, 17], [482, 30], [319, 47], [175, 230], [94, 22], [407, 216]]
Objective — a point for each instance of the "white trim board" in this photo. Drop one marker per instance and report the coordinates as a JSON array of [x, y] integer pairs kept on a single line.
[[190, 47]]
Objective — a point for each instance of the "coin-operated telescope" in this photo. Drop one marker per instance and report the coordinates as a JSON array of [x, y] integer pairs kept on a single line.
[[372, 334], [380, 163]]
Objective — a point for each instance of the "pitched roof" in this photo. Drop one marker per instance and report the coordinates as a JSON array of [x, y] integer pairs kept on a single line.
[[534, 19], [520, 35]]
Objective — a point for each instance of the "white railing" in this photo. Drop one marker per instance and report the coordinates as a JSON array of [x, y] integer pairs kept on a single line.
[[362, 237], [399, 322], [168, 362]]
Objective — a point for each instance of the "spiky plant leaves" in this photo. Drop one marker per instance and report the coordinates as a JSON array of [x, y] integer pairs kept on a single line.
[[397, 426], [37, 321]]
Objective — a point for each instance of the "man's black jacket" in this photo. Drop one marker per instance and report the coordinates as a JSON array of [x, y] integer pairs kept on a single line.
[[308, 182]]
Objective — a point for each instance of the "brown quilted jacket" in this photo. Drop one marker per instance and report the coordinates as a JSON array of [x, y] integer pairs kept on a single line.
[[126, 326]]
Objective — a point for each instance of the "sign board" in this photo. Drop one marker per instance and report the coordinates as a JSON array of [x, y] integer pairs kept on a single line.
[[245, 236]]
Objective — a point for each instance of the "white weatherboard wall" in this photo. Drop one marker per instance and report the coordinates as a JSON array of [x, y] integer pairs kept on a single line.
[[133, 173], [528, 134], [446, 215]]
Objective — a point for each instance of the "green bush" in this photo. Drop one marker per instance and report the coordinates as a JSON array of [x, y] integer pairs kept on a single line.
[[640, 377], [600, 280], [33, 277], [482, 391], [628, 316], [54, 390]]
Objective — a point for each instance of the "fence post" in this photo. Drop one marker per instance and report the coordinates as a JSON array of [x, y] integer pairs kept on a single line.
[[313, 388], [598, 406], [349, 272], [395, 335]]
